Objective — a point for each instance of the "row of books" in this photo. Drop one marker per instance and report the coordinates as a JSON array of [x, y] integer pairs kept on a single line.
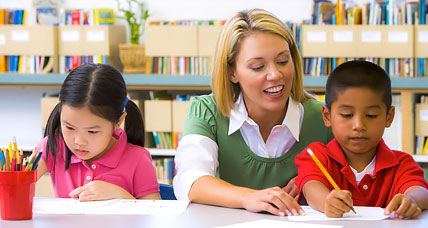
[[13, 63], [179, 65], [421, 116], [164, 169], [166, 140], [375, 12], [421, 145]]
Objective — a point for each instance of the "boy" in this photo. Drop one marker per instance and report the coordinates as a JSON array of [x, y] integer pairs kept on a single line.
[[358, 108]]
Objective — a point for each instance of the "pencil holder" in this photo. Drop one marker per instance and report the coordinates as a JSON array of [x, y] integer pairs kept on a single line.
[[16, 194]]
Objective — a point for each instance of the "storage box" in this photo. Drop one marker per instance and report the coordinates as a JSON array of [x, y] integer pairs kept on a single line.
[[179, 111], [421, 119], [157, 115], [383, 41], [47, 105], [92, 40], [207, 39], [169, 40], [421, 41], [28, 40]]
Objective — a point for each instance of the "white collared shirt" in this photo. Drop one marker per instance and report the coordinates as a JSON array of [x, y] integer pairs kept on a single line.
[[197, 155]]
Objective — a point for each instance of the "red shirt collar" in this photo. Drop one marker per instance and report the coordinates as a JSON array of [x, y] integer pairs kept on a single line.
[[385, 157], [112, 157]]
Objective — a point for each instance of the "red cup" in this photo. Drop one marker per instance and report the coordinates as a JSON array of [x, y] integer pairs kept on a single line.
[[16, 194]]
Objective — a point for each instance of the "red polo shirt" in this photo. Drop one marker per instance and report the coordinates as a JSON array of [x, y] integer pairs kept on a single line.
[[394, 172]]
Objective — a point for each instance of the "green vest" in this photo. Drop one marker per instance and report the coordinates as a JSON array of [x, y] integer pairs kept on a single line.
[[238, 165]]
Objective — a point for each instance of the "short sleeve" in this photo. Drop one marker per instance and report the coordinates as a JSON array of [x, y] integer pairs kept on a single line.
[[145, 180], [42, 147], [409, 174], [201, 117], [308, 170]]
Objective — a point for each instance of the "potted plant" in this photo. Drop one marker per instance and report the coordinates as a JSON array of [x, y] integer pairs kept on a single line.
[[132, 55]]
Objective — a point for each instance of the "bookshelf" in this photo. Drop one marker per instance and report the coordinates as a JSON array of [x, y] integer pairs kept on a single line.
[[407, 88]]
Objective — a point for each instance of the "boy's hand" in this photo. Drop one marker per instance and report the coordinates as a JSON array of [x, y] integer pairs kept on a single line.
[[100, 190], [404, 207], [338, 203]]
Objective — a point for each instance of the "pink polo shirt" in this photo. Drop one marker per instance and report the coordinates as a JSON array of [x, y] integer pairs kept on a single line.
[[394, 173], [126, 165]]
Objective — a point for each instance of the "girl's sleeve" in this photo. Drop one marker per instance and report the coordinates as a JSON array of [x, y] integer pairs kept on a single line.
[[42, 147], [145, 180]]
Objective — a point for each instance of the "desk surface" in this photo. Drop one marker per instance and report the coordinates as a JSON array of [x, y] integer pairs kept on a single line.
[[196, 215]]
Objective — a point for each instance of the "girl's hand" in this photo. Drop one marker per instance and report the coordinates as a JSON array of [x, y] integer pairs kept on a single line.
[[404, 207], [100, 190], [291, 188], [338, 203], [273, 200]]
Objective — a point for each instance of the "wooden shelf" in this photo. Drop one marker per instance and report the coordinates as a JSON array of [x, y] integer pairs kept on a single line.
[[161, 152], [421, 158], [177, 82]]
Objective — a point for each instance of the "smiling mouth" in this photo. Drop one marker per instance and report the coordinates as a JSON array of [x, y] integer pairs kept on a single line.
[[274, 90]]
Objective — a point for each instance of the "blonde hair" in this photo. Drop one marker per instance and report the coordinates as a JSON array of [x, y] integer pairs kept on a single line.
[[234, 31]]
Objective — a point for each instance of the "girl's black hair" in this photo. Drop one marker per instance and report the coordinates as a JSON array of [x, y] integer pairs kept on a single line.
[[358, 73], [101, 88]]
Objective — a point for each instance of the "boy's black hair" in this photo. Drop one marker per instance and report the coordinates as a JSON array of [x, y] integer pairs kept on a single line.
[[101, 88], [358, 73]]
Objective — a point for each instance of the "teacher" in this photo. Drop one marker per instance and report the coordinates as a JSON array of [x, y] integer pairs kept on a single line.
[[240, 141]]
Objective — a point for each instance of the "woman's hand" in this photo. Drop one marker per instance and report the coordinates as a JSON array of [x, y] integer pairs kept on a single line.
[[338, 203], [273, 200], [99, 190], [291, 188], [404, 207]]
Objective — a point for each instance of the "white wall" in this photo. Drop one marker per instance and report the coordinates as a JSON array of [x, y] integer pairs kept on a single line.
[[20, 114]]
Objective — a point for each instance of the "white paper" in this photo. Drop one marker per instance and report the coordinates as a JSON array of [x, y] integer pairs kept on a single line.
[[95, 36], [117, 206], [371, 36], [398, 37], [70, 36], [363, 213], [343, 36], [20, 36], [2, 39], [423, 115], [422, 37], [316, 36], [267, 223]]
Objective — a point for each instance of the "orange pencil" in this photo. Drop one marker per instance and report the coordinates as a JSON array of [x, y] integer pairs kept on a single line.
[[7, 160], [326, 174], [13, 166]]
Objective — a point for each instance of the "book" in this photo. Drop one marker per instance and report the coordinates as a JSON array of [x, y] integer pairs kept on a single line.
[[103, 16]]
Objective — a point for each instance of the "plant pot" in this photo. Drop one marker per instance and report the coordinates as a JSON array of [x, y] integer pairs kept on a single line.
[[132, 57]]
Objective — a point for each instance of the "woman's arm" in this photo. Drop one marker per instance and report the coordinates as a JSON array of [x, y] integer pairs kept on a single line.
[[214, 191], [152, 196]]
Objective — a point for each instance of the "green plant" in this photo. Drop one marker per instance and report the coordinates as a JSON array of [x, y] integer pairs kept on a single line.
[[136, 15]]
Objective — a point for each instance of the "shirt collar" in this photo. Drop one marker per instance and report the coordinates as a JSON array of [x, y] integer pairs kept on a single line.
[[113, 156], [385, 157], [239, 114]]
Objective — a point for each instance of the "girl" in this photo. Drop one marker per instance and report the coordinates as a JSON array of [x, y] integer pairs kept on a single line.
[[88, 155]]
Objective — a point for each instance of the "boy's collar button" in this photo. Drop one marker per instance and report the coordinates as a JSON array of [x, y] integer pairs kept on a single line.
[[93, 166], [365, 187]]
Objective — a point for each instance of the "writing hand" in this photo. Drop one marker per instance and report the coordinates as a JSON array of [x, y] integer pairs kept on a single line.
[[337, 203]]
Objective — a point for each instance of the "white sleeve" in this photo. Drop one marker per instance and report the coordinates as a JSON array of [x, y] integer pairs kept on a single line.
[[196, 156]]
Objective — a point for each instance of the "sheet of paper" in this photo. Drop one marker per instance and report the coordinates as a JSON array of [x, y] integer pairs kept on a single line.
[[363, 213], [276, 223], [117, 206]]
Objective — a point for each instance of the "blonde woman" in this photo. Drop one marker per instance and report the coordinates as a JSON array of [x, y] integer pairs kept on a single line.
[[240, 142]]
